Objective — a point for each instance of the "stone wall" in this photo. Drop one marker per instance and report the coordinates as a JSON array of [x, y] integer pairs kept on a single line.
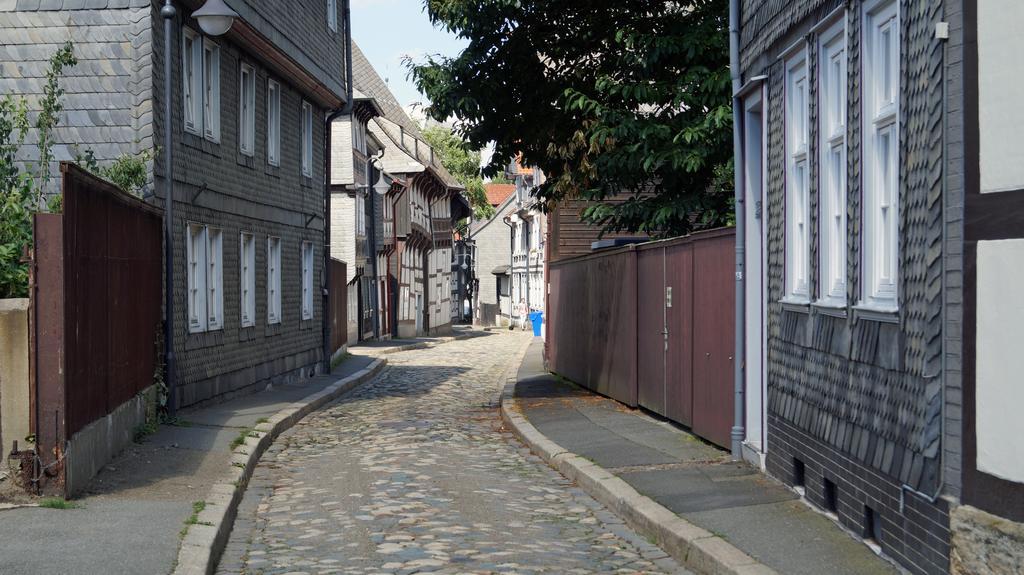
[[14, 382], [984, 544]]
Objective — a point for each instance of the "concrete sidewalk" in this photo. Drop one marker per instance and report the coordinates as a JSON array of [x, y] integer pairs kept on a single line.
[[739, 520], [133, 512]]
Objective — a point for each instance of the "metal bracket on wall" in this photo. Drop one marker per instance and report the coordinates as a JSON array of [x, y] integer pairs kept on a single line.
[[198, 193]]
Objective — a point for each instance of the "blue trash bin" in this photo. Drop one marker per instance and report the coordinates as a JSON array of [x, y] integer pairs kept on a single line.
[[536, 318]]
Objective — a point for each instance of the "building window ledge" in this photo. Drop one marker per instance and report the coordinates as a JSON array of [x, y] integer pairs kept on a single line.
[[831, 307], [876, 312], [204, 339], [794, 304]]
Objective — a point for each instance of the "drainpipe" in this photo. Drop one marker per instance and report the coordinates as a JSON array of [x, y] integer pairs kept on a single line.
[[393, 312], [346, 109], [739, 355]]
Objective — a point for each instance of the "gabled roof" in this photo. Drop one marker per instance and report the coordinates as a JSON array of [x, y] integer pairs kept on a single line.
[[496, 193], [395, 160], [395, 128], [367, 81], [500, 212]]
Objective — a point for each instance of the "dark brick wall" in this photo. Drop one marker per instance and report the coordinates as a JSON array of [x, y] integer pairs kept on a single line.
[[216, 185], [853, 397], [915, 534]]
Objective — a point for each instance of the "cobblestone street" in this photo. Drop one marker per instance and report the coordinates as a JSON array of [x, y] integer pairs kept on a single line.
[[413, 473]]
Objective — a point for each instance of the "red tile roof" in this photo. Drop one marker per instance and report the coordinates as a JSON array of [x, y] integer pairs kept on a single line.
[[498, 193]]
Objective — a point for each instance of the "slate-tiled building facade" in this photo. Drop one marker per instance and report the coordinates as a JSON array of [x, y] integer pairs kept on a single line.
[[228, 186], [858, 339], [418, 214]]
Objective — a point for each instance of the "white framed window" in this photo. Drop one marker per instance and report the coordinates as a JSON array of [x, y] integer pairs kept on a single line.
[[247, 277], [273, 280], [205, 271], [797, 201], [359, 136], [307, 139], [246, 109], [215, 278], [832, 160], [332, 15], [211, 90], [273, 123], [360, 214], [196, 272], [307, 280], [192, 80], [881, 129]]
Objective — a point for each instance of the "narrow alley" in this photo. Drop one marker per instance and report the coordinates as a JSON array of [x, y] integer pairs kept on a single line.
[[414, 473]]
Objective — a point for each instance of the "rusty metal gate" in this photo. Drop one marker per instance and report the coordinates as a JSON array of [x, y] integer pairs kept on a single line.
[[96, 311], [651, 325]]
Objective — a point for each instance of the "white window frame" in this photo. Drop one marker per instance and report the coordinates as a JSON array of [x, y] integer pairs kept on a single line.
[[307, 280], [832, 198], [273, 122], [247, 278], [215, 277], [192, 81], [211, 90], [204, 247], [307, 139], [797, 218], [881, 127], [246, 109], [273, 280], [360, 214], [359, 136], [332, 15], [195, 248]]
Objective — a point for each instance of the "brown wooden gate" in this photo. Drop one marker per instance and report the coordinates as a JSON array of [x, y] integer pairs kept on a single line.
[[96, 311], [651, 325], [339, 305]]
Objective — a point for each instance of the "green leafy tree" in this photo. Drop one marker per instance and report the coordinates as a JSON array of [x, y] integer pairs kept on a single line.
[[608, 98], [464, 164], [127, 171], [21, 188]]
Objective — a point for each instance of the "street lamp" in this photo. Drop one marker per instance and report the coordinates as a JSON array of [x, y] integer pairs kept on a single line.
[[215, 18]]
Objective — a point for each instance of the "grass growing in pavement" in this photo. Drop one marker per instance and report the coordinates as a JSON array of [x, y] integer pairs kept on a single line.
[[238, 441], [197, 508], [144, 430], [58, 503], [339, 360], [262, 420]]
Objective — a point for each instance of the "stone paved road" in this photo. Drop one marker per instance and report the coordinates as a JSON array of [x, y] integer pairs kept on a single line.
[[413, 473]]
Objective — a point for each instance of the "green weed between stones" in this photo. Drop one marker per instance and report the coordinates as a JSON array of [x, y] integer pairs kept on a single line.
[[197, 508], [238, 441], [58, 503]]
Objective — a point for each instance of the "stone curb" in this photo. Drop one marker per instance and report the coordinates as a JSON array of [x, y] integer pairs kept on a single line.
[[205, 540], [692, 546]]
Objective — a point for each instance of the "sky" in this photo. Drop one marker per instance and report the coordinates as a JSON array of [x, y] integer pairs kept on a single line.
[[388, 30]]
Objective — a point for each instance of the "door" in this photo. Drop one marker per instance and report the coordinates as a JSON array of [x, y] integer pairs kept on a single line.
[[679, 319], [755, 342], [652, 331], [419, 314], [714, 314]]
